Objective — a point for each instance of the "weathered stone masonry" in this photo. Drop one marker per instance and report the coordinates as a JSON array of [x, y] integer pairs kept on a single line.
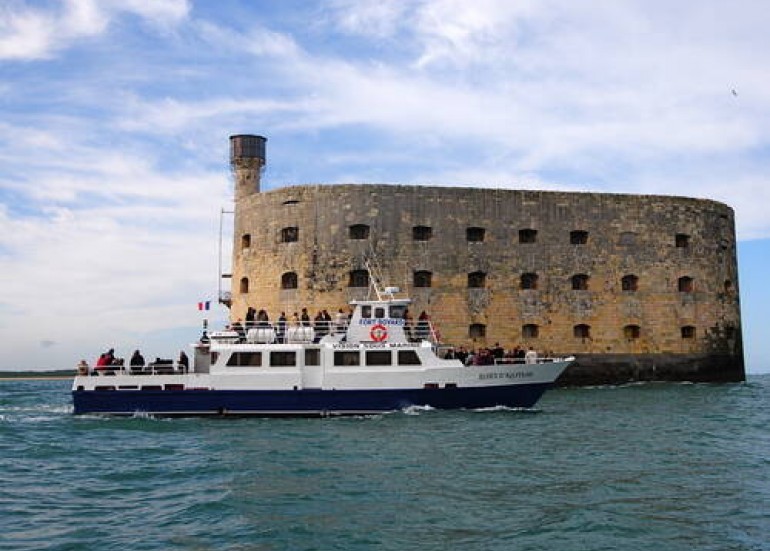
[[638, 287]]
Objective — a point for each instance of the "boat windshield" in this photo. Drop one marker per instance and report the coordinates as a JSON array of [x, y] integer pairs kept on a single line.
[[398, 311]]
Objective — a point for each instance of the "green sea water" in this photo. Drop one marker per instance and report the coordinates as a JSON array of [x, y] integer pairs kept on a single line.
[[661, 467]]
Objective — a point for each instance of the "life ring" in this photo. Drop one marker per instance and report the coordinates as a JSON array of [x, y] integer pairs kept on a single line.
[[379, 333]]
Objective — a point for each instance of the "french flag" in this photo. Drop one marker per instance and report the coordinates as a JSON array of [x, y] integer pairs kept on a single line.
[[204, 305]]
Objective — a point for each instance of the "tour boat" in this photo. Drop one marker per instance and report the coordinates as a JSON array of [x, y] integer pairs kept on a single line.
[[373, 361]]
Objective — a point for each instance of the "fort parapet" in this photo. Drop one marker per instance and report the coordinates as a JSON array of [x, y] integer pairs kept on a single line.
[[638, 287]]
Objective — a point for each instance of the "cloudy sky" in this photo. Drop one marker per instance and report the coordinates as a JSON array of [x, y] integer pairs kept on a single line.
[[115, 117]]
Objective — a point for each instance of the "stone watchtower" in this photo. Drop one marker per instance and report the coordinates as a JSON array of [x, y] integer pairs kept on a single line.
[[247, 159]]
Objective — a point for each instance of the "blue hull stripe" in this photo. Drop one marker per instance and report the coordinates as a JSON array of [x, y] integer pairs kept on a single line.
[[300, 402]]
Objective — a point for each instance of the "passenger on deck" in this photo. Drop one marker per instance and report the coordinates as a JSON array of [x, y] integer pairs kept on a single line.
[[184, 362], [262, 318], [137, 360], [423, 326], [305, 318], [531, 356], [237, 326], [340, 321], [281, 333], [205, 338], [250, 314]]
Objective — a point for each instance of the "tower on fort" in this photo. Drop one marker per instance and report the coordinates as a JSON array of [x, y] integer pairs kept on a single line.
[[247, 160]]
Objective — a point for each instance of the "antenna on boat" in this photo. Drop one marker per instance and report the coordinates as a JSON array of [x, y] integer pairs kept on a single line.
[[375, 280]]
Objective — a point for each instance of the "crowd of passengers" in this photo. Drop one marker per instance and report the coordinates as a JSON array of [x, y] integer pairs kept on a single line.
[[496, 354], [109, 364], [322, 323]]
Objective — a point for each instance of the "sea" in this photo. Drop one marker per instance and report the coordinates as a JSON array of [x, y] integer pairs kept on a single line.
[[656, 466]]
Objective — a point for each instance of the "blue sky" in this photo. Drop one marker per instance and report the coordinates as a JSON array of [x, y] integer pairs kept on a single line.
[[115, 117]]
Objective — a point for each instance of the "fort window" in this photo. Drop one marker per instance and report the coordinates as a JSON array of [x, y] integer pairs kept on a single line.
[[631, 332], [530, 331], [358, 278], [378, 357], [685, 284], [477, 280], [291, 202], [578, 237], [579, 282], [283, 359], [529, 281], [527, 236], [245, 241], [629, 283], [688, 332], [422, 233], [628, 238], [423, 278], [729, 286], [475, 235], [582, 331], [477, 331], [408, 357], [244, 288], [682, 240], [290, 234], [289, 280], [359, 231]]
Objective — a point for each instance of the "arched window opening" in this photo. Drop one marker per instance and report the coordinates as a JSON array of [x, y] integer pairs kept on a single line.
[[475, 235], [729, 289], [359, 231], [423, 278], [477, 331], [578, 237], [289, 280], [685, 284], [290, 234], [358, 278], [422, 233], [527, 235], [582, 331], [245, 241], [631, 332], [579, 282], [244, 287], [629, 283], [477, 280], [530, 331], [529, 281], [688, 332]]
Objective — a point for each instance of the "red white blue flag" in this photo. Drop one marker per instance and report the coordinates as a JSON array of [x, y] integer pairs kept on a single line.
[[204, 305]]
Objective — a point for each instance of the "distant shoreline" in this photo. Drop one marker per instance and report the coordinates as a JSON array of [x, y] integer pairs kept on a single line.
[[36, 375]]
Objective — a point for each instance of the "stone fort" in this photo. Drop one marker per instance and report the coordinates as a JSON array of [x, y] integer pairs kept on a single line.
[[637, 287]]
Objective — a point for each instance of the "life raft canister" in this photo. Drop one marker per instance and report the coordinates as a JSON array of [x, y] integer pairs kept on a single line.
[[379, 333]]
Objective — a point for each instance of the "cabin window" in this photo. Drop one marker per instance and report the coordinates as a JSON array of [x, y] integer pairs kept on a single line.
[[283, 359], [682, 240], [423, 278], [290, 234], [366, 311], [477, 280], [289, 280], [359, 231], [408, 357], [477, 331], [422, 233], [358, 278], [245, 359], [378, 357], [527, 235], [379, 312], [578, 237], [312, 356], [398, 311], [582, 331], [629, 283], [244, 288], [632, 332], [529, 281], [530, 331], [688, 332], [579, 282], [685, 284], [245, 241], [475, 235], [346, 357]]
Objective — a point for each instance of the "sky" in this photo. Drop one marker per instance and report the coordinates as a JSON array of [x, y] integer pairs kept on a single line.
[[115, 117]]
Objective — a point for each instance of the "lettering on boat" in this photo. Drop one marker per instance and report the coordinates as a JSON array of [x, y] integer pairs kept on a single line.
[[506, 375]]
